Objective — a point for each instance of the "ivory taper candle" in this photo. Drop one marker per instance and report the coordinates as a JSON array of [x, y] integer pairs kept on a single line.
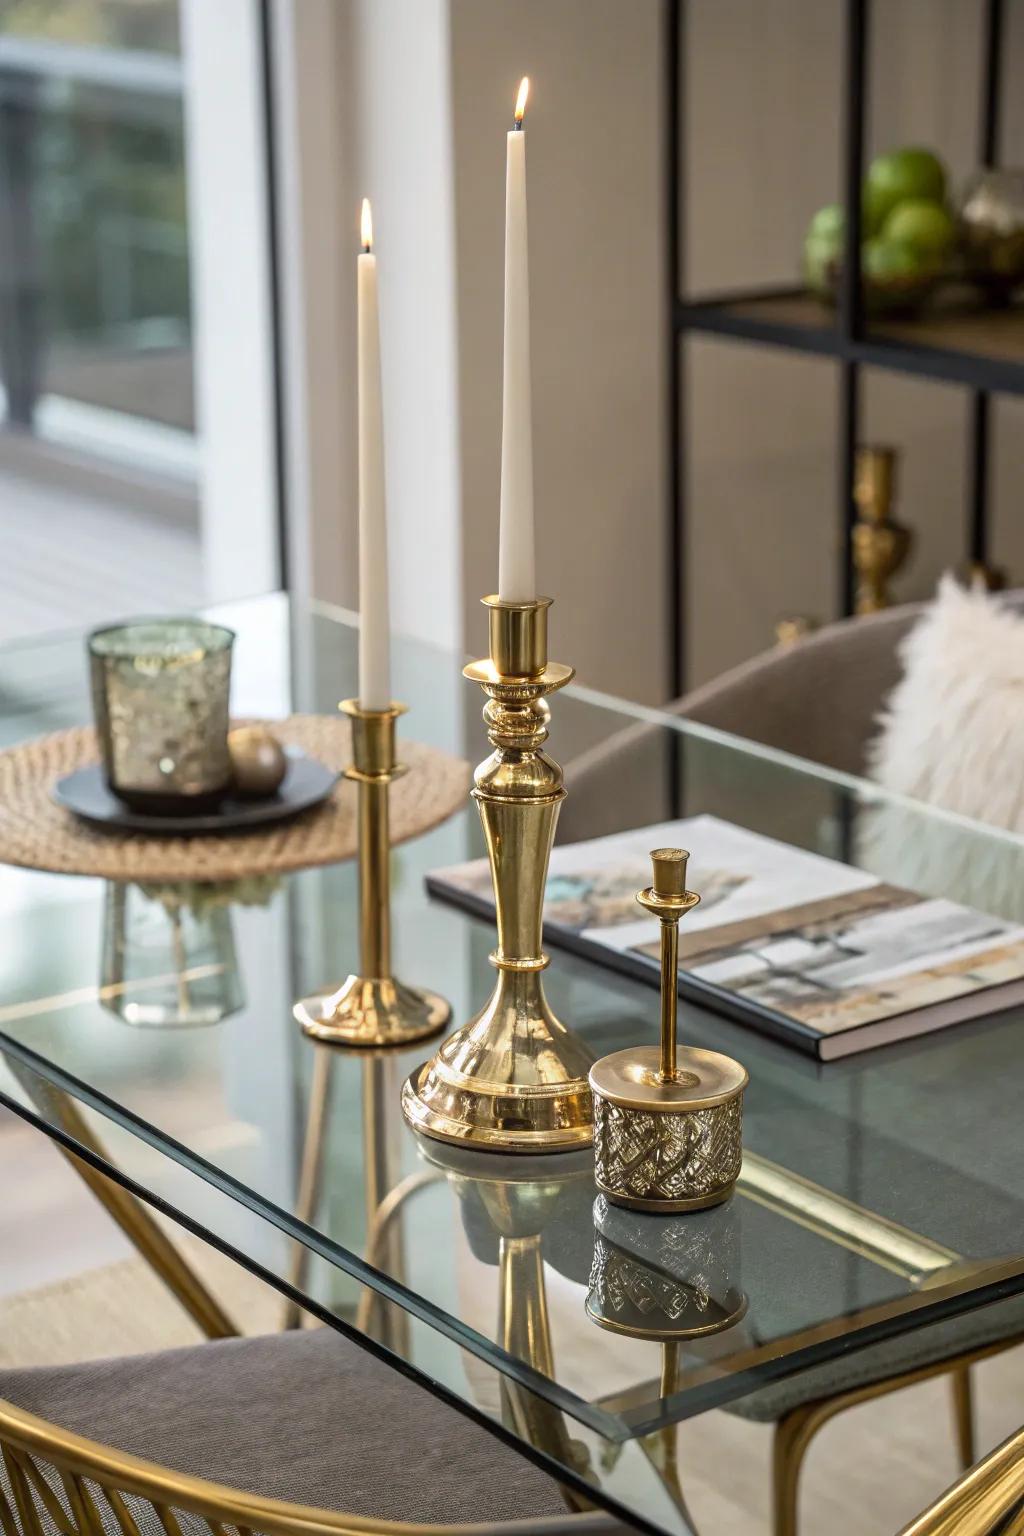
[[374, 620], [517, 580]]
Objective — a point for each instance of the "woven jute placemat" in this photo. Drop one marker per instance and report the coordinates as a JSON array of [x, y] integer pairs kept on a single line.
[[39, 834]]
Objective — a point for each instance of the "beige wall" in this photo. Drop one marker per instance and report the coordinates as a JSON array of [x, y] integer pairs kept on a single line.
[[598, 333], [761, 106], [419, 107]]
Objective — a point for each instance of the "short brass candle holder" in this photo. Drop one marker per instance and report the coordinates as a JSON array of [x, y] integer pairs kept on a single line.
[[667, 1123], [373, 1008], [514, 1079]]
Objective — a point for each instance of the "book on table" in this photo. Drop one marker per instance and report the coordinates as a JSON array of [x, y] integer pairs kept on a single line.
[[817, 953]]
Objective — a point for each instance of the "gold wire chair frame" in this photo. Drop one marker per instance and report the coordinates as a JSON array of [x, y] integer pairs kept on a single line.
[[980, 1502], [796, 1429], [80, 1462]]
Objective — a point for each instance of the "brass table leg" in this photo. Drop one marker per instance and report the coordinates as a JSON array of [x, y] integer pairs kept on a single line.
[[963, 1414], [308, 1196], [383, 1198], [135, 1221]]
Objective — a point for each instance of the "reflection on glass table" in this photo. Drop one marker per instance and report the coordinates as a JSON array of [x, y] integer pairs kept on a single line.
[[169, 950], [879, 1194]]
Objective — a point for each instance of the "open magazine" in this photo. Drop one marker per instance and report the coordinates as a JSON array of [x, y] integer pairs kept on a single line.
[[818, 954]]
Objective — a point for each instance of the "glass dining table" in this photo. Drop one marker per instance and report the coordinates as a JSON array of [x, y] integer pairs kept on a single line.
[[880, 1194]]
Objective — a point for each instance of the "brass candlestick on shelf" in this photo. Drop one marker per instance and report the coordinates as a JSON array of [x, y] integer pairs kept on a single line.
[[514, 1078], [879, 544], [667, 1122], [373, 1008]]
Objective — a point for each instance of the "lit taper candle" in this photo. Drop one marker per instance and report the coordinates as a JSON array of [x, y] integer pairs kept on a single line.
[[374, 641], [517, 579]]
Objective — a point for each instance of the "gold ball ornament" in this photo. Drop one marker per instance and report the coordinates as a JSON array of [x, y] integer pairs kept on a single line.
[[258, 761]]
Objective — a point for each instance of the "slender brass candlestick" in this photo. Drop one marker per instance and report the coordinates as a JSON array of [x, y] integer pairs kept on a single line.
[[669, 900], [373, 1008], [514, 1078]]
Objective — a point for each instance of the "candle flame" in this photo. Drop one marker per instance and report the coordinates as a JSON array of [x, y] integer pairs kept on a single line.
[[524, 91], [366, 225]]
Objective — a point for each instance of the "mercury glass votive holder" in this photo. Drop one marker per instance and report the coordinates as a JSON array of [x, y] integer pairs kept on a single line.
[[161, 690]]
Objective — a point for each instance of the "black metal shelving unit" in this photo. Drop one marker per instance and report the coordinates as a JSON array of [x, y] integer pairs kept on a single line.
[[981, 350]]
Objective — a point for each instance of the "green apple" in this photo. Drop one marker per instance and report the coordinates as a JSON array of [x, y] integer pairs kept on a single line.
[[902, 175], [828, 223], [926, 227], [896, 276], [822, 257], [889, 261]]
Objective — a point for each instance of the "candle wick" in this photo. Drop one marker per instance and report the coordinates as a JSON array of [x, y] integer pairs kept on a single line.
[[517, 125]]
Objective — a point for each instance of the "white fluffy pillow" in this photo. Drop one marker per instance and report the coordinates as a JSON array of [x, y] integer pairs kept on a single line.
[[952, 730], [952, 734]]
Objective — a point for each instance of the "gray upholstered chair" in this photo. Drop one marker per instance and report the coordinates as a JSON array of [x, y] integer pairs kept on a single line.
[[293, 1434], [817, 698], [802, 1405]]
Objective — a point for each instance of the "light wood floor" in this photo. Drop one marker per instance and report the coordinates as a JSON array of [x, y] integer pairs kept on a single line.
[[74, 561], [867, 1474]]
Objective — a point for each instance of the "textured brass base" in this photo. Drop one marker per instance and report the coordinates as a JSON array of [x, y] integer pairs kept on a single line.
[[683, 1331], [667, 1207], [665, 1280], [667, 1146], [513, 1079], [366, 1012]]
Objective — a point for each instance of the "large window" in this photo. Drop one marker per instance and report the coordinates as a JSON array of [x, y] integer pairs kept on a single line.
[[96, 290], [99, 363]]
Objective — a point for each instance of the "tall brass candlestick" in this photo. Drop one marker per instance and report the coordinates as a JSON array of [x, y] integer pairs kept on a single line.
[[514, 1078], [373, 1008]]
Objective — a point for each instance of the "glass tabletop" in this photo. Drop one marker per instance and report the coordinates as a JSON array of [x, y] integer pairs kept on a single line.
[[879, 1194]]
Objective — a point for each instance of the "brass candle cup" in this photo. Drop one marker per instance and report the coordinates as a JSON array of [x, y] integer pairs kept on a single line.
[[514, 1079], [373, 1008], [667, 1120], [160, 693]]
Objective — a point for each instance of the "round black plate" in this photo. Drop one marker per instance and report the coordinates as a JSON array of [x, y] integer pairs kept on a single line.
[[306, 783]]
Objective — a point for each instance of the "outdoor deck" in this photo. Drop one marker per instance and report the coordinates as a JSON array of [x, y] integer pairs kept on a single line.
[[70, 560]]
